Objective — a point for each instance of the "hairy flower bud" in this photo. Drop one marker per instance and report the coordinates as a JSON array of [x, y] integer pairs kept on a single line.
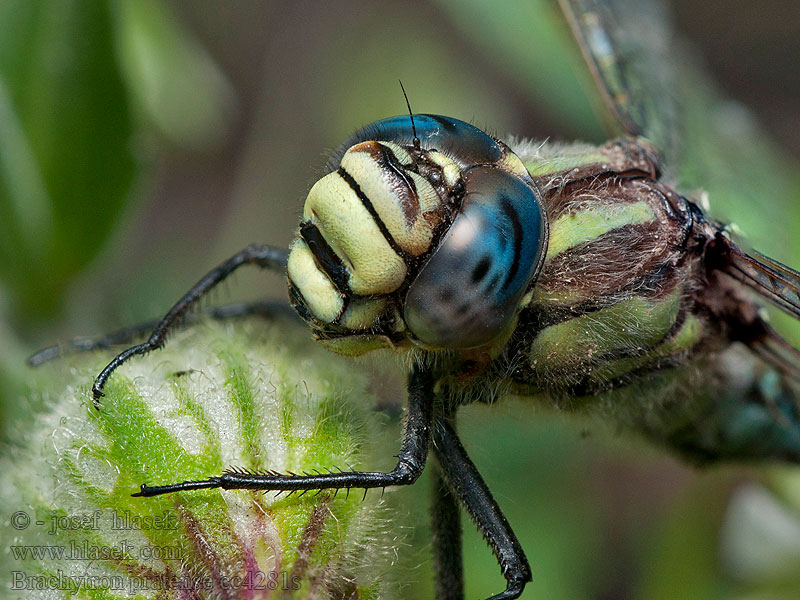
[[244, 396]]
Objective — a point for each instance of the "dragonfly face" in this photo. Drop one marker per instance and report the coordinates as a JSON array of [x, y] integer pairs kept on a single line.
[[431, 241]]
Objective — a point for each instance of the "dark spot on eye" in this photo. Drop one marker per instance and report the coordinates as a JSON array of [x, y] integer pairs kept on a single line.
[[481, 269], [436, 177], [503, 240], [511, 215], [462, 310], [445, 123], [446, 295]]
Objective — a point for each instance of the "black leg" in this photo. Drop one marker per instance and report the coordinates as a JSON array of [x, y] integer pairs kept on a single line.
[[468, 484], [266, 257], [447, 561], [267, 309], [410, 460]]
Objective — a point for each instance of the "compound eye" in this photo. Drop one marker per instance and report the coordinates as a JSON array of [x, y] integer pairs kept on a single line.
[[468, 292], [464, 143]]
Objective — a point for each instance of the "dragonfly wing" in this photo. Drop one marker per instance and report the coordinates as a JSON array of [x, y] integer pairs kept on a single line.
[[774, 281], [627, 46], [776, 351]]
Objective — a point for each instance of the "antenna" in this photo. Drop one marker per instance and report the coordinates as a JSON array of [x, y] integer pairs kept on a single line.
[[410, 114]]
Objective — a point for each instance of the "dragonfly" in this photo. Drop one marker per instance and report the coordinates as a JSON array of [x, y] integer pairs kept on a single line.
[[571, 272]]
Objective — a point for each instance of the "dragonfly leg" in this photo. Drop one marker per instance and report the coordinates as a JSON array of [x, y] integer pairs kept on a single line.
[[267, 309], [447, 558], [410, 460], [474, 494], [265, 257]]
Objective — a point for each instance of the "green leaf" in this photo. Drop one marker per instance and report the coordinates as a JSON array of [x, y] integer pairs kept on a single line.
[[530, 42], [170, 77], [65, 145]]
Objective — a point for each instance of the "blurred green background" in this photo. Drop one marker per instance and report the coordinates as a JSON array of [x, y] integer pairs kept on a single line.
[[143, 141]]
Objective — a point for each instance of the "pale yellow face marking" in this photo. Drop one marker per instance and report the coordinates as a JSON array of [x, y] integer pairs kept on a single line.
[[362, 313], [451, 174], [383, 191], [450, 170], [513, 164], [399, 152], [354, 236], [322, 298], [356, 345]]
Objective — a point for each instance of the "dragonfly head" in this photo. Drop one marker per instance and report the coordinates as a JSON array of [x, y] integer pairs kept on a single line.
[[431, 244]]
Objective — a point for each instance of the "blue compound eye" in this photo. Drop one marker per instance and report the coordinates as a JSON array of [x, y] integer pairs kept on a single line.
[[468, 292], [464, 143]]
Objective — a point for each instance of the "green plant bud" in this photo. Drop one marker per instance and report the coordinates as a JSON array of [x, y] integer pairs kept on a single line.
[[248, 395]]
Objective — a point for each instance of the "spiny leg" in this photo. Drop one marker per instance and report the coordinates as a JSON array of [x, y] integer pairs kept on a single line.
[[447, 560], [266, 257], [474, 494], [410, 460], [267, 309]]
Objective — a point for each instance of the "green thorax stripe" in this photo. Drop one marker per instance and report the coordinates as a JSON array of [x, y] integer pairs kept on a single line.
[[558, 163], [628, 327], [586, 225], [681, 342]]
